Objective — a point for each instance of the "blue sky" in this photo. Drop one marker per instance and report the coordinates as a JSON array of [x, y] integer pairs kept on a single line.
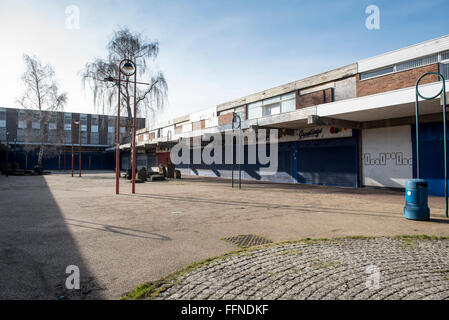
[[211, 51]]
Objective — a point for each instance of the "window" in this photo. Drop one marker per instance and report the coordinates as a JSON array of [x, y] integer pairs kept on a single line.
[[111, 130], [444, 70], [240, 111], [271, 106], [83, 118], [67, 121], [416, 63], [2, 124], [21, 126], [36, 124], [288, 102], [52, 129], [271, 109], [255, 110], [36, 127], [2, 118], [94, 137], [376, 73], [407, 65], [22, 123]]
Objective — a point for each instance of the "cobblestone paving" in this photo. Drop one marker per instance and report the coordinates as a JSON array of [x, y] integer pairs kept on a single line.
[[331, 269]]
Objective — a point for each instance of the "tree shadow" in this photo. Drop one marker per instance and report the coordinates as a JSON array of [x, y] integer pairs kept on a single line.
[[118, 230]]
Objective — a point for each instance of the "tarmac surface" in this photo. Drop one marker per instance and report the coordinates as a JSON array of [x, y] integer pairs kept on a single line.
[[119, 241]]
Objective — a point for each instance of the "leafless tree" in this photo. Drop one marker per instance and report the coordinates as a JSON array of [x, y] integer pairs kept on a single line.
[[150, 99], [41, 93]]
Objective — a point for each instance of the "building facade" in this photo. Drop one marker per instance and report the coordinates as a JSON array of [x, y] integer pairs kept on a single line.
[[96, 133], [352, 126]]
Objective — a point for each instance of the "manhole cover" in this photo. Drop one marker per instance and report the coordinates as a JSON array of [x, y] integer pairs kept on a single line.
[[248, 240]]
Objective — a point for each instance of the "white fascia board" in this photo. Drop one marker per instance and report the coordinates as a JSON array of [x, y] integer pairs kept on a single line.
[[203, 114], [401, 55], [379, 100]]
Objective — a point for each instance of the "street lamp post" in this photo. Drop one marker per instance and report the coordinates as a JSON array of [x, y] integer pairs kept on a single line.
[[80, 145], [127, 68], [15, 149]]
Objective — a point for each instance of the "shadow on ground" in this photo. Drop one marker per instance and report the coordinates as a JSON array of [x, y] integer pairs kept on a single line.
[[36, 246]]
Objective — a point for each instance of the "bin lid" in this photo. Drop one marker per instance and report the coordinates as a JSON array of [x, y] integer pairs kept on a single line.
[[416, 183]]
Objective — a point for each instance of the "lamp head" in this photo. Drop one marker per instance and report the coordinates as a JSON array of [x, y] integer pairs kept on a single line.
[[128, 67]]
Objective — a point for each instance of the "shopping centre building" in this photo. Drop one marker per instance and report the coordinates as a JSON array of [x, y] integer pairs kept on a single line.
[[352, 126]]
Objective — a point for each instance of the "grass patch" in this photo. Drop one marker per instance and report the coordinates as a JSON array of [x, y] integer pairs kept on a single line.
[[324, 264], [409, 241], [153, 289]]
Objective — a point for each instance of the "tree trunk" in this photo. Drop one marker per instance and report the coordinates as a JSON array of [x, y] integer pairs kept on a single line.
[[41, 155]]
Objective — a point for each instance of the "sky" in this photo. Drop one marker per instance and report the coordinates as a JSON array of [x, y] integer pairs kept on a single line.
[[211, 51]]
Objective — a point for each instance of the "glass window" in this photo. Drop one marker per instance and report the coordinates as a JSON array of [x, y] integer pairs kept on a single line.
[[255, 110], [36, 124], [2, 118], [52, 122], [288, 96], [111, 130], [83, 118], [416, 63], [444, 70], [376, 73], [271, 100], [240, 111], [445, 55], [288, 105], [94, 124], [68, 122], [272, 109]]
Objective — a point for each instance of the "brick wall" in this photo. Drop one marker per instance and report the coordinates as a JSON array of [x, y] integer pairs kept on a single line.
[[395, 81], [196, 125], [225, 119], [178, 129], [314, 98]]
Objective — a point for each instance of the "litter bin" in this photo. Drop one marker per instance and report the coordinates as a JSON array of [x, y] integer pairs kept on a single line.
[[416, 207]]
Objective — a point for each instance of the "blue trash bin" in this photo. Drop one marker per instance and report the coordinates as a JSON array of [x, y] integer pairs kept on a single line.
[[416, 196]]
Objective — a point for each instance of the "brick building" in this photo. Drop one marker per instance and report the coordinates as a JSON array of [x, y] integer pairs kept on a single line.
[[364, 111], [97, 137]]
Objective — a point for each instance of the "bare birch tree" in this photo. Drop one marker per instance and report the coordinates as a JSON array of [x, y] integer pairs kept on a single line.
[[150, 99], [41, 93]]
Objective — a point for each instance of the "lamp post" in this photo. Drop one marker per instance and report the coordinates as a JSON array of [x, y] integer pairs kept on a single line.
[[15, 149], [79, 126], [127, 68], [73, 122]]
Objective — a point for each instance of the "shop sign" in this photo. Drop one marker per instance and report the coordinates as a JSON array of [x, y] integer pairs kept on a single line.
[[326, 132]]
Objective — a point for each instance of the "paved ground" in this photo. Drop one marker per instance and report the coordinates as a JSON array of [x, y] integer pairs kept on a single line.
[[381, 268], [50, 222]]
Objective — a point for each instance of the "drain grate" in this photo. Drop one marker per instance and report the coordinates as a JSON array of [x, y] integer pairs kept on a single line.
[[247, 240]]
